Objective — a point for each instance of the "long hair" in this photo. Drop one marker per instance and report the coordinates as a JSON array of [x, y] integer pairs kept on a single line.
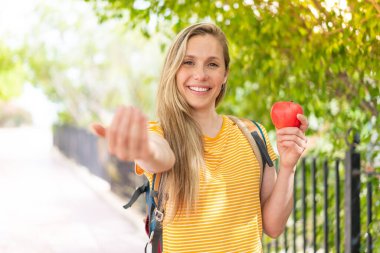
[[180, 185]]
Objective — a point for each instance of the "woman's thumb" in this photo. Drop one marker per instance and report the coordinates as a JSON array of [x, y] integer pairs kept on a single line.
[[98, 129]]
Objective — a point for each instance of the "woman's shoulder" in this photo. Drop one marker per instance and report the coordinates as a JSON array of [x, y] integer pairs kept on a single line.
[[248, 122]]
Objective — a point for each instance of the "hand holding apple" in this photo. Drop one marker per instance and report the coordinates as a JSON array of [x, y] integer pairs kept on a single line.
[[291, 126], [284, 114]]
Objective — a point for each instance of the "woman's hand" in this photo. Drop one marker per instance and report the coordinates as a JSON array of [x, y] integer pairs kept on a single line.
[[291, 142], [127, 136]]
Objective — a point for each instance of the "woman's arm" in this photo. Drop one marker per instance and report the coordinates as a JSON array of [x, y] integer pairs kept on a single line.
[[162, 158], [277, 190], [276, 200], [128, 139]]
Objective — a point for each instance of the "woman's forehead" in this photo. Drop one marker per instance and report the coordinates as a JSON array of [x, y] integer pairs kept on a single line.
[[204, 46]]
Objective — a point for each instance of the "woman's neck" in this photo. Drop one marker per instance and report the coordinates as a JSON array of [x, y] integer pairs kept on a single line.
[[210, 122]]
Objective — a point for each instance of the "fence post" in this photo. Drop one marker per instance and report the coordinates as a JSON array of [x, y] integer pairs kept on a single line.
[[352, 198]]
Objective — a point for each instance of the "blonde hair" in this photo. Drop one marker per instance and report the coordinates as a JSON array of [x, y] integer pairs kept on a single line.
[[180, 185]]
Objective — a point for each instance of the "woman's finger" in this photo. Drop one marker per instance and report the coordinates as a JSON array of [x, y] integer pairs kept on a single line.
[[290, 131], [98, 129], [144, 144], [113, 130], [139, 134], [133, 141], [304, 122], [298, 140], [122, 148], [293, 145]]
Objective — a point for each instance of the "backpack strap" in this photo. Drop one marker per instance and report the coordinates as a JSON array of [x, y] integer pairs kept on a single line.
[[156, 215], [249, 129], [263, 149], [253, 126], [136, 194], [261, 131]]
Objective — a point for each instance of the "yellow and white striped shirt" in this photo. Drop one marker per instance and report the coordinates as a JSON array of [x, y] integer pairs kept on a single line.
[[228, 215]]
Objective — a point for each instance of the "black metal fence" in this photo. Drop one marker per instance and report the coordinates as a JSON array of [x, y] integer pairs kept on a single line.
[[327, 204], [87, 150], [327, 211], [81, 146]]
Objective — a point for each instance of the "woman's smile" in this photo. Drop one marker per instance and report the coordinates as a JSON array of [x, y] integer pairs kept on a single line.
[[199, 89]]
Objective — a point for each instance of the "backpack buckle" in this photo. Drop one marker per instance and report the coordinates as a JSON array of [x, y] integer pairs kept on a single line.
[[159, 215]]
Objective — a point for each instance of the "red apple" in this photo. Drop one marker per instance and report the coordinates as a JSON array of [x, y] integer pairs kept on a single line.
[[284, 114]]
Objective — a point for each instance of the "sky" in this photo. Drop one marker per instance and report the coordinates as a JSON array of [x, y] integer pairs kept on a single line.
[[15, 18]]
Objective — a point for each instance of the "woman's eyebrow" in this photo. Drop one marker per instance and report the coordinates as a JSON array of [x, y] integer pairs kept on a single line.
[[208, 58]]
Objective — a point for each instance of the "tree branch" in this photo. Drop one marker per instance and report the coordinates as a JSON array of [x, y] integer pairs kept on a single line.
[[376, 5], [318, 5]]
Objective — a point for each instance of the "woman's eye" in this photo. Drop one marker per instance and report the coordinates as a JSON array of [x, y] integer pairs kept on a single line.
[[188, 63], [214, 65]]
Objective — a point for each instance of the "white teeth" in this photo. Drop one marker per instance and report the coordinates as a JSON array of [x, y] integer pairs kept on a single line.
[[199, 89]]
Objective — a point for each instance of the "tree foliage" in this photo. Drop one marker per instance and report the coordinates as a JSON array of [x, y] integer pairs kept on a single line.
[[86, 68], [323, 54], [12, 73]]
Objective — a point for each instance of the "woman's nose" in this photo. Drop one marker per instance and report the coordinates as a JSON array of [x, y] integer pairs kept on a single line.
[[200, 73]]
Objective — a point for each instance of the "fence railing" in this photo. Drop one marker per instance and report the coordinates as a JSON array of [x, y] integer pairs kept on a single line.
[[327, 207], [327, 203], [81, 146], [86, 149]]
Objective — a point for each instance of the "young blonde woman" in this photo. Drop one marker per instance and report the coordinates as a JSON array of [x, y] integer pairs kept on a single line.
[[210, 176]]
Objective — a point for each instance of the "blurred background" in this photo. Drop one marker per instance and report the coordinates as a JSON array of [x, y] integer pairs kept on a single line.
[[66, 64]]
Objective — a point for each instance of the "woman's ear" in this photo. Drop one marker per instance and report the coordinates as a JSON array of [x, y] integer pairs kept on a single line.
[[226, 76]]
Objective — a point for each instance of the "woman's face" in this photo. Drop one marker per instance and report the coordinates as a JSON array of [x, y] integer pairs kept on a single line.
[[202, 72]]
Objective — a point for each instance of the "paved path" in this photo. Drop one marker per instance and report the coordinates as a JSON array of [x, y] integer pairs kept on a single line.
[[50, 205]]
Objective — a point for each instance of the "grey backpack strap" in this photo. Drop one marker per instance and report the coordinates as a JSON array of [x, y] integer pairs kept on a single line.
[[263, 149], [255, 128]]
